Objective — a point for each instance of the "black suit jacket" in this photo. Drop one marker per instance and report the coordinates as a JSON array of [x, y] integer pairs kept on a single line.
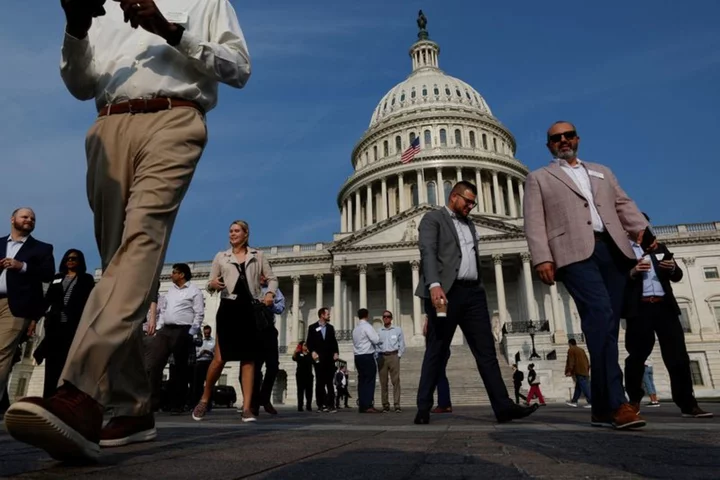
[[634, 288], [54, 298], [25, 290], [326, 347]]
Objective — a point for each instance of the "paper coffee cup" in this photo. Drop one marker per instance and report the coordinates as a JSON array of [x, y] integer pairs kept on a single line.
[[441, 309]]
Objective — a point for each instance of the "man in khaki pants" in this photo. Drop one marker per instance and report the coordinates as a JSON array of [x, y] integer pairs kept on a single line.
[[390, 351], [152, 87]]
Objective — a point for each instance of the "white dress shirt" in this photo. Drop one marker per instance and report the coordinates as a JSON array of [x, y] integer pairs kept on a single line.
[[365, 339], [651, 283], [115, 63], [579, 175], [209, 345], [468, 263], [182, 306], [13, 247]]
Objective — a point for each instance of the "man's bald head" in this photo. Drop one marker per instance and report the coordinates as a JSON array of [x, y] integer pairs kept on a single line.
[[22, 221]]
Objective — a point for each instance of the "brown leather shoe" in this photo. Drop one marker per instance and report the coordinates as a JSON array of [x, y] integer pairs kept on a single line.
[[636, 407], [67, 425], [371, 410], [121, 431], [625, 418], [441, 410], [270, 409]]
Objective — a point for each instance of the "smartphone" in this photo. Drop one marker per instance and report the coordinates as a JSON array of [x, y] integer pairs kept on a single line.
[[668, 256], [648, 239]]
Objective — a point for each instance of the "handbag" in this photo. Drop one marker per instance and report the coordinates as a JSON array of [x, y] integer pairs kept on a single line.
[[261, 313]]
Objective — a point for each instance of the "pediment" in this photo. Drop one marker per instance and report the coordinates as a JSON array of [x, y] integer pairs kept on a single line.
[[402, 229]]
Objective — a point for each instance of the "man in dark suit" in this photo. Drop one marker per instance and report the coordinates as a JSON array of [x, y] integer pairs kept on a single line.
[[450, 280], [323, 347], [25, 264], [650, 308]]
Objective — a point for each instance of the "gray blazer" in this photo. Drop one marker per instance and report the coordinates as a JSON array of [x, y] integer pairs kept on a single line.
[[440, 253], [256, 263]]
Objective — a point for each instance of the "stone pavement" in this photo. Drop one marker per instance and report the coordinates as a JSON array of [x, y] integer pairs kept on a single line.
[[557, 442]]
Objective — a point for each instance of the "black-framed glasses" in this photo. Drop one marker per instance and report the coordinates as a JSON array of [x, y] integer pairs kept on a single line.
[[71, 259], [569, 135], [471, 203]]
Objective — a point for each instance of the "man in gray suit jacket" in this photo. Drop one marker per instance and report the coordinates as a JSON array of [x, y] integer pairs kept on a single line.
[[450, 279], [577, 219]]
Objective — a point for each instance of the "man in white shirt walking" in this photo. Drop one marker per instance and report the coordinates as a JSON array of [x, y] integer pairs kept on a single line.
[[153, 74], [391, 351], [365, 343], [180, 316]]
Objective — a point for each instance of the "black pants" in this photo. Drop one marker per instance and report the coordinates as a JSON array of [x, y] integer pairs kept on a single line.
[[304, 390], [324, 388], [518, 395], [342, 395], [366, 373], [467, 308], [267, 353], [639, 341], [175, 340]]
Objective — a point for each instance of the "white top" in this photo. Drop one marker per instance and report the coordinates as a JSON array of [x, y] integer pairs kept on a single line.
[[182, 306], [651, 283], [365, 339], [115, 63], [207, 345], [13, 247], [580, 176]]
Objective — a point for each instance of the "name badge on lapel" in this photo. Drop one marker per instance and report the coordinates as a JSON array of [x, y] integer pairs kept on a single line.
[[595, 174], [57, 280], [318, 329]]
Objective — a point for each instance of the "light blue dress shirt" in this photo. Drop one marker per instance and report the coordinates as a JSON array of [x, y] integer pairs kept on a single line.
[[392, 339], [365, 339], [278, 305], [651, 283]]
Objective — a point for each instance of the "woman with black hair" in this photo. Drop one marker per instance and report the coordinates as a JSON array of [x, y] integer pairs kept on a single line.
[[66, 297]]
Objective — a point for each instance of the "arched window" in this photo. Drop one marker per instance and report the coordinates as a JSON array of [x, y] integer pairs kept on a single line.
[[374, 153], [398, 144], [472, 139], [458, 138], [428, 138], [414, 195], [447, 91], [424, 91], [386, 149], [447, 186], [412, 94], [367, 158], [393, 101], [436, 90], [484, 139], [402, 97], [431, 193], [443, 137], [411, 136], [495, 144]]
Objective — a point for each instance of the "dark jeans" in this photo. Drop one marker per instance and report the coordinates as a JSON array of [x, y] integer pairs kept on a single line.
[[639, 341], [467, 308], [304, 389], [582, 386], [267, 353], [198, 383], [518, 395], [366, 372], [443, 387], [342, 395], [597, 286], [175, 340], [324, 385]]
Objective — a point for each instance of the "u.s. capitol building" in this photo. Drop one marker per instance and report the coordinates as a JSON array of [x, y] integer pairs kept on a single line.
[[373, 261]]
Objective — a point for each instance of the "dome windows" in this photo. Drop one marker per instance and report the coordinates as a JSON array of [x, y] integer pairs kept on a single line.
[[414, 195], [412, 137], [484, 141], [436, 91], [443, 137], [447, 91], [413, 94], [424, 91], [457, 91], [392, 103], [431, 193], [402, 97], [458, 138], [472, 139], [386, 149], [428, 138], [398, 144]]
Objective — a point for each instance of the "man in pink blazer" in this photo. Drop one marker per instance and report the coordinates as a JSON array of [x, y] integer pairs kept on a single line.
[[577, 222]]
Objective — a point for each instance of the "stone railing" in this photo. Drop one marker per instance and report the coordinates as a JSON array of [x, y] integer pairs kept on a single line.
[[707, 228], [343, 335], [579, 337], [524, 327]]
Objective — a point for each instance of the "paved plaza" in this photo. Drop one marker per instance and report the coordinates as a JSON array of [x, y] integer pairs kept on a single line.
[[557, 442]]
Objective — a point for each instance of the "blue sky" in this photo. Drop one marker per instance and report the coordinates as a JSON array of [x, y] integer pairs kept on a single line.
[[640, 80]]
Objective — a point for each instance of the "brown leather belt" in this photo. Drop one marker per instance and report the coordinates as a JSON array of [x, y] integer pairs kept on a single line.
[[147, 105], [653, 299], [387, 354]]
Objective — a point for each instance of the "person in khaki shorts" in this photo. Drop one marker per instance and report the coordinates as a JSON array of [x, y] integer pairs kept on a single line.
[[153, 71], [390, 351]]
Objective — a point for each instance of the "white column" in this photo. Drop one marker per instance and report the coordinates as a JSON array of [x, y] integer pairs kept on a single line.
[[500, 285], [369, 206], [297, 335], [521, 193], [388, 286], [421, 188], [511, 197], [358, 211], [556, 326], [480, 207], [458, 171], [349, 215], [363, 285], [318, 291], [417, 320], [439, 190], [496, 190], [401, 193], [384, 199], [343, 219], [529, 292], [337, 314], [345, 305]]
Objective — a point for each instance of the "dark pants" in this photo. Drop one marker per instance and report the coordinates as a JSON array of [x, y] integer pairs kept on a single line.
[[175, 340], [467, 308], [443, 387], [324, 385], [198, 383], [267, 353], [366, 372], [597, 286], [518, 395], [304, 389], [342, 395], [582, 386], [639, 341]]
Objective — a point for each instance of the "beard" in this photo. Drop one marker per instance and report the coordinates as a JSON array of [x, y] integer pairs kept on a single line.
[[21, 227], [566, 154]]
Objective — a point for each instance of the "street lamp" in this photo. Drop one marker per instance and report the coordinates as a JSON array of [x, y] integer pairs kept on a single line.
[[531, 331]]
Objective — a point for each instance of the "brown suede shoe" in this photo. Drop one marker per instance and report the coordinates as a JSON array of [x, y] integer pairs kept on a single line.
[[67, 425], [121, 431], [625, 418]]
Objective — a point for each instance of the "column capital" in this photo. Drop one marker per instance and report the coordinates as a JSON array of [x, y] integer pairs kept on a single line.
[[497, 258], [337, 270], [362, 268], [296, 279], [526, 257], [689, 261], [383, 180], [388, 266], [439, 170], [319, 277], [494, 173], [415, 264]]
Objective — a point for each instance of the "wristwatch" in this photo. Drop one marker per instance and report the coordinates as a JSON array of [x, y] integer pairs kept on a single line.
[[175, 36]]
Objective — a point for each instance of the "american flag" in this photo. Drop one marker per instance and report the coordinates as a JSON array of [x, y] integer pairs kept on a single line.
[[411, 151]]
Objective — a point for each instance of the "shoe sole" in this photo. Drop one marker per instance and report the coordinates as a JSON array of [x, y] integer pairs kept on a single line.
[[630, 425], [704, 415], [34, 425], [249, 420], [601, 424], [139, 437]]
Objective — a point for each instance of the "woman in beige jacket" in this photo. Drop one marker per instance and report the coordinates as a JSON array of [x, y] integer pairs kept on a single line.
[[235, 273]]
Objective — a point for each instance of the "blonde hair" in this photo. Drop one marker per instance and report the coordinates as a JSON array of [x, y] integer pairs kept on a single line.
[[245, 227]]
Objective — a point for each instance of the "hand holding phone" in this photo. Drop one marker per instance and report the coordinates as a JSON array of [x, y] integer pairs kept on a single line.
[[648, 239]]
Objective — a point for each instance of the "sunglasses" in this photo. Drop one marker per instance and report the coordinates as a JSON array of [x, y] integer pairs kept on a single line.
[[387, 316], [71, 259], [570, 135]]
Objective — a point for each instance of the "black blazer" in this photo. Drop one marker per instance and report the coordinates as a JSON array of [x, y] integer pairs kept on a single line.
[[25, 290], [326, 348], [634, 287], [76, 303]]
